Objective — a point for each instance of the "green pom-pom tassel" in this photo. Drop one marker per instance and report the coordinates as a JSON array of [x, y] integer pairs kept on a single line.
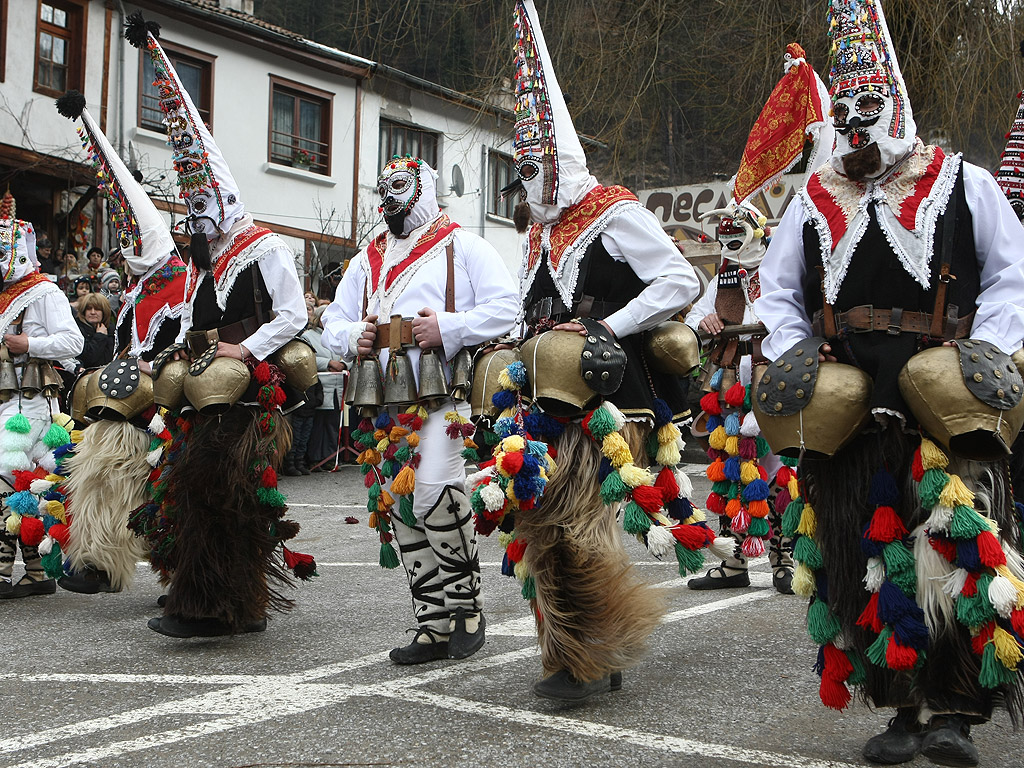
[[18, 423], [613, 490], [403, 454], [993, 673], [859, 674], [806, 551], [490, 438], [601, 423], [388, 556], [475, 501], [271, 497], [690, 560], [759, 527], [388, 467], [822, 625], [529, 591], [721, 487], [405, 510], [56, 436], [635, 520], [931, 486], [365, 469], [899, 566], [471, 455], [966, 523], [876, 651], [976, 609], [734, 491], [791, 517], [789, 462], [53, 562], [763, 449]]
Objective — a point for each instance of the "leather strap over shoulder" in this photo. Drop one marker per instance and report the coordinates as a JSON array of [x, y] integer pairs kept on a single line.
[[449, 293], [788, 383], [603, 360], [990, 374]]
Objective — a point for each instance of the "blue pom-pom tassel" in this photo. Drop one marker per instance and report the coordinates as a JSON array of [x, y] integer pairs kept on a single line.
[[732, 469], [819, 664], [383, 421], [883, 492], [503, 399], [604, 470], [758, 490], [662, 413], [732, 425], [23, 502], [716, 379], [714, 422], [967, 556]]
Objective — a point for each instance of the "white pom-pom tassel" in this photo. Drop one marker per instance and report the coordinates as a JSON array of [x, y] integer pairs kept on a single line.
[[1003, 595], [156, 424], [659, 541], [722, 547], [940, 518], [749, 428], [39, 486], [684, 483], [478, 477], [45, 546], [616, 414], [493, 497], [874, 574], [955, 583], [48, 463], [154, 456]]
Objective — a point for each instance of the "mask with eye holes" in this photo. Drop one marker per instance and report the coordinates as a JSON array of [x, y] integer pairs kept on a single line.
[[864, 147], [408, 194]]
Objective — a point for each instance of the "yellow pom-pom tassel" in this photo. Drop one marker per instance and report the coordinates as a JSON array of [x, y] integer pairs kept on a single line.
[[521, 570], [77, 436], [668, 434], [793, 486], [668, 455], [504, 539], [373, 520], [615, 449], [803, 580], [383, 445], [634, 476], [932, 456], [732, 445], [397, 433], [379, 434], [749, 473], [1008, 650], [54, 479], [511, 494], [412, 440], [504, 380], [956, 493], [56, 509], [698, 516], [513, 443], [14, 524], [386, 500], [63, 420], [717, 438], [808, 522], [404, 482]]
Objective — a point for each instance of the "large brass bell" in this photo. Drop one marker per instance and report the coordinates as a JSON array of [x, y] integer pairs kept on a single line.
[[433, 386], [31, 380], [368, 392], [169, 384], [8, 377], [400, 380], [350, 385], [52, 382], [462, 375]]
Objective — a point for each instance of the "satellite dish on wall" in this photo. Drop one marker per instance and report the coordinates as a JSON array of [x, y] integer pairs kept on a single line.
[[458, 186]]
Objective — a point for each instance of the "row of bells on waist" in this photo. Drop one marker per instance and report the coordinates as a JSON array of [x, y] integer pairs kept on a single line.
[[372, 388], [39, 377]]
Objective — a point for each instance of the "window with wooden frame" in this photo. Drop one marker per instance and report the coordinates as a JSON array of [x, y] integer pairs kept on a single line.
[[60, 46], [399, 139], [500, 172], [195, 70], [300, 126]]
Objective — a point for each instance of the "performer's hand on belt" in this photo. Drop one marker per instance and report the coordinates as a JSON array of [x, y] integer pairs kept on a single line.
[[145, 367], [825, 355], [364, 345], [581, 329], [181, 354], [236, 351], [712, 324], [425, 329], [16, 343]]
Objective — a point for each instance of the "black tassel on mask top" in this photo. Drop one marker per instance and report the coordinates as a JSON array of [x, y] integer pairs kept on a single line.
[[199, 251], [136, 28]]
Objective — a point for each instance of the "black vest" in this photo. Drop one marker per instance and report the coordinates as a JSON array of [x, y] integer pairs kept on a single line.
[[241, 303]]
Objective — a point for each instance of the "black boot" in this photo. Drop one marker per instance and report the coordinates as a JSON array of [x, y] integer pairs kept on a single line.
[[562, 686], [899, 743], [288, 467], [87, 581], [417, 652], [462, 644], [948, 741], [302, 466]]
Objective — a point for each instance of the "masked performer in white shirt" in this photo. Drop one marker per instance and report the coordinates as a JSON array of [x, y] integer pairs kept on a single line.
[[109, 469], [243, 305], [38, 328], [899, 269], [596, 264], [454, 292]]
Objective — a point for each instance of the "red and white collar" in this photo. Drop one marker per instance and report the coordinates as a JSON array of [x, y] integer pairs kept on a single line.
[[908, 202]]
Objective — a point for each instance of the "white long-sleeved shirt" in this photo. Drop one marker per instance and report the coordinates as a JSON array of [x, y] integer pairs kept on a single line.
[[486, 300], [635, 237], [51, 328], [998, 240], [288, 306]]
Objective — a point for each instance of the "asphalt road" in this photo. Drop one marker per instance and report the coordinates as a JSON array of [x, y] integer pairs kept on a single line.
[[728, 681]]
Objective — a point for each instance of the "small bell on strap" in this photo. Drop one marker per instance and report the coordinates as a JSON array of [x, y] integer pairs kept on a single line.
[[433, 386], [400, 380], [462, 375], [31, 380], [368, 394]]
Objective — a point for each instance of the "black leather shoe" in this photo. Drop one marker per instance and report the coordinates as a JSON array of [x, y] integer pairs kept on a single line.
[[27, 587], [417, 652], [899, 743], [782, 580], [5, 589], [177, 626], [717, 578], [562, 686], [948, 741], [462, 644], [88, 581]]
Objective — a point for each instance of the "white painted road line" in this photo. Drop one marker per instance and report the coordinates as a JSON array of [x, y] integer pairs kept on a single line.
[[253, 699]]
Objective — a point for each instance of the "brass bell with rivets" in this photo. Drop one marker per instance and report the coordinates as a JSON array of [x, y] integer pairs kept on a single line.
[[433, 387], [400, 380], [31, 380], [8, 376], [462, 375], [368, 392]]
